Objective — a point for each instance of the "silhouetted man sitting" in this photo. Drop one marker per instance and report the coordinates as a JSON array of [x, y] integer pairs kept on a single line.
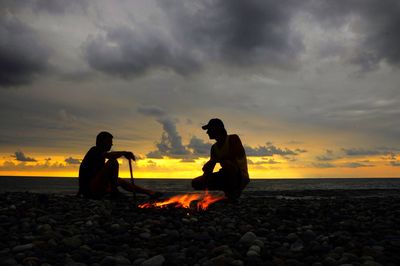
[[98, 178], [228, 151]]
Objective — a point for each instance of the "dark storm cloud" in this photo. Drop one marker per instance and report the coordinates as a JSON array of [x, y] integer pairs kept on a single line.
[[231, 32], [61, 6], [329, 155], [271, 161], [270, 150], [395, 163], [324, 165], [199, 147], [125, 52], [378, 27], [20, 156], [71, 160], [244, 33], [170, 143], [239, 32], [357, 165], [50, 6], [151, 111], [366, 152], [22, 54]]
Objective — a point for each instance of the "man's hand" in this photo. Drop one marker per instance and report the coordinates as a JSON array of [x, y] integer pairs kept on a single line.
[[129, 155], [208, 167]]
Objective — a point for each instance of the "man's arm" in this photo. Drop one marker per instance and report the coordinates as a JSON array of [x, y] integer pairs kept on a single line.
[[208, 167], [117, 154]]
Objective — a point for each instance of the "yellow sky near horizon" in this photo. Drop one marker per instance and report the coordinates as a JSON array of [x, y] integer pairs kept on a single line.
[[259, 167]]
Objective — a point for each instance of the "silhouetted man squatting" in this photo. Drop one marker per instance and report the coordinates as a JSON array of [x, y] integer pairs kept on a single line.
[[98, 178], [228, 151]]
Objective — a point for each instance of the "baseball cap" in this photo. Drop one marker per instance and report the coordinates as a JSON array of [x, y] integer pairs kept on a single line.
[[214, 123]]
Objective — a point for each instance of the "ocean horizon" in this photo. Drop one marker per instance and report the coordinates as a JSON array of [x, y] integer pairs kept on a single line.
[[69, 185]]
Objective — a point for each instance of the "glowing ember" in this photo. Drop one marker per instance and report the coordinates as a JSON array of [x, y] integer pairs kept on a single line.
[[184, 201]]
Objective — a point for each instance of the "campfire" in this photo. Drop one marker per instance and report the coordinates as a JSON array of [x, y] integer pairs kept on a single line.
[[200, 200]]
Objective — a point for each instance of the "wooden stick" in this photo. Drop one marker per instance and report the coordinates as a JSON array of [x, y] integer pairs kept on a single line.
[[132, 182]]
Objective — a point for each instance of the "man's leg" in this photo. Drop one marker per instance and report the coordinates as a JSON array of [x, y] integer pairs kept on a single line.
[[199, 183], [106, 181], [211, 181], [231, 182], [128, 186]]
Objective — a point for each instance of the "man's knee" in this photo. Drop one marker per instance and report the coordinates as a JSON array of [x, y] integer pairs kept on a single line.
[[112, 163], [198, 183]]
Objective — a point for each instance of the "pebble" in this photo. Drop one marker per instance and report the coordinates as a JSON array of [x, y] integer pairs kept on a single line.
[[297, 246], [252, 253], [248, 238], [154, 261], [255, 248], [72, 242], [22, 248], [224, 249], [9, 262], [292, 237], [145, 235]]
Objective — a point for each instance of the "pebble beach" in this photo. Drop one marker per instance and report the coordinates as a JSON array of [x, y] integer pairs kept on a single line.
[[280, 228]]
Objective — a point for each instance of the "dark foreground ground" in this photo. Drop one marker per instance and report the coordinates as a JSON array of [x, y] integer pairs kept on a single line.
[[322, 228]]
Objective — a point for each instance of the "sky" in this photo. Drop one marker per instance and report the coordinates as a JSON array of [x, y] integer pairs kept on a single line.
[[311, 87]]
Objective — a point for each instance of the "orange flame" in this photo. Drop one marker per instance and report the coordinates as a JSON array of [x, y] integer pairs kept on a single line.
[[184, 201]]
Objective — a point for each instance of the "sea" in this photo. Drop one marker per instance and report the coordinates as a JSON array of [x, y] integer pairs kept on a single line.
[[176, 186]]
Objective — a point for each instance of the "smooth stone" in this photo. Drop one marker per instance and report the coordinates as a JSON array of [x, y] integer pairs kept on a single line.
[[19, 256], [349, 257], [221, 260], [365, 258], [259, 243], [297, 246], [252, 253], [329, 261], [292, 237], [9, 262], [5, 251], [292, 262], [255, 248], [115, 226], [89, 223], [371, 263], [224, 249], [138, 262], [108, 261], [185, 220], [145, 235], [22, 248], [31, 261], [72, 242], [172, 233], [248, 238], [44, 228], [154, 261], [237, 263], [121, 260], [378, 248], [308, 235]]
